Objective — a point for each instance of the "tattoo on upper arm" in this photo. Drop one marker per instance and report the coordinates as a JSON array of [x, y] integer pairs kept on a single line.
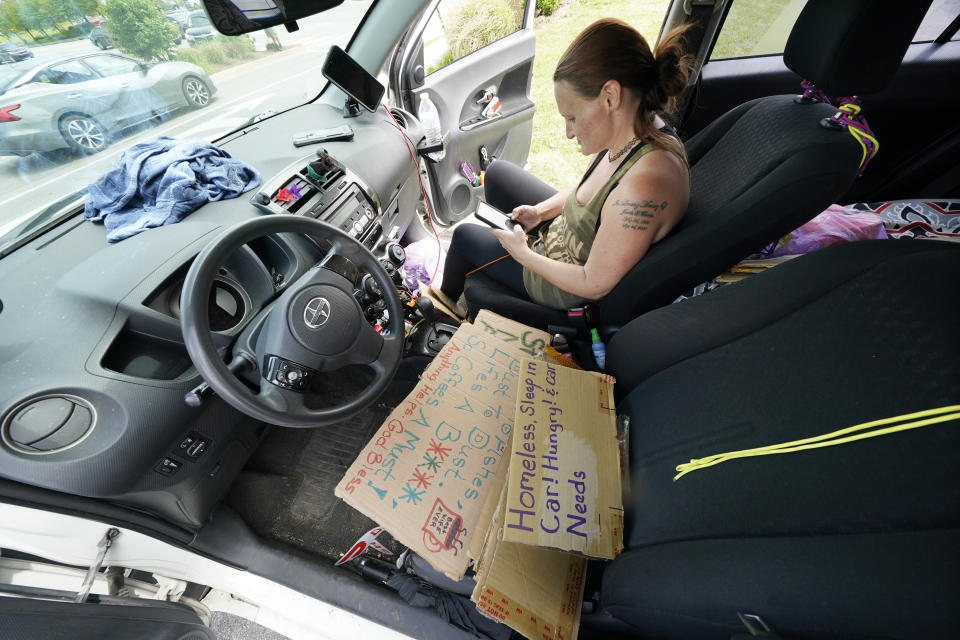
[[636, 215]]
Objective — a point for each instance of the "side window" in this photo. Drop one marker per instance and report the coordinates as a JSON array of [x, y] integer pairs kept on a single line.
[[939, 16], [761, 27], [112, 65], [756, 28], [66, 73], [460, 27]]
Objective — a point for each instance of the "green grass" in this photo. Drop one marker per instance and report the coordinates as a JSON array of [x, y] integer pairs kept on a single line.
[[217, 53], [747, 24], [553, 158]]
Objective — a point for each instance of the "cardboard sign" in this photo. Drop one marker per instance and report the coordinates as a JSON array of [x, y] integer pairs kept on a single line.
[[427, 474], [563, 488], [535, 591]]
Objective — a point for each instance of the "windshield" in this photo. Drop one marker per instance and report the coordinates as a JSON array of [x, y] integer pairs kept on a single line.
[[92, 99]]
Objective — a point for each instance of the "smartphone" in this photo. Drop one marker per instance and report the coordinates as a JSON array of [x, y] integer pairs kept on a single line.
[[494, 217], [343, 71]]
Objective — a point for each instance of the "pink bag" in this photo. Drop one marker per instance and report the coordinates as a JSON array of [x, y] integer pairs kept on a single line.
[[834, 225], [424, 258]]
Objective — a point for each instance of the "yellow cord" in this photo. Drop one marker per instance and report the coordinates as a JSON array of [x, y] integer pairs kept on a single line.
[[941, 414], [859, 135]]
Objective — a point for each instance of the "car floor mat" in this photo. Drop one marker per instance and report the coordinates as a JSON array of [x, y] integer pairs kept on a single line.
[[285, 492]]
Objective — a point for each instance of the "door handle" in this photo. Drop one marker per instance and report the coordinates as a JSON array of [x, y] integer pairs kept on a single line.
[[124, 84], [73, 96], [486, 95]]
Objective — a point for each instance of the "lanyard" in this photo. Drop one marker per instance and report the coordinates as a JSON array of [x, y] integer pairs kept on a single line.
[[843, 436]]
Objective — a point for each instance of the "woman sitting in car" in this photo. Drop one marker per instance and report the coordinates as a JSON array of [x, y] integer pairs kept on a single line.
[[610, 89]]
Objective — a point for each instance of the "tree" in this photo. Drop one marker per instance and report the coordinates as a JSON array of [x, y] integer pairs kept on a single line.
[[46, 14], [36, 14], [139, 28], [80, 9], [10, 20]]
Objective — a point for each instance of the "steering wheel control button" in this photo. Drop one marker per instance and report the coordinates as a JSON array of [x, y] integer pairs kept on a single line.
[[287, 374], [168, 466], [324, 319]]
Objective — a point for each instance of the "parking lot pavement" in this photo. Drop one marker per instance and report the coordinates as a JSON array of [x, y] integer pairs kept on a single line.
[[228, 626]]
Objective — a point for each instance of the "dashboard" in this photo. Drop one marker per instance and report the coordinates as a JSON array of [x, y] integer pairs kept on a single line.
[[91, 353]]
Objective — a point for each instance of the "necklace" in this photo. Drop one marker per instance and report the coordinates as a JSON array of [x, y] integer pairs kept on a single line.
[[613, 157]]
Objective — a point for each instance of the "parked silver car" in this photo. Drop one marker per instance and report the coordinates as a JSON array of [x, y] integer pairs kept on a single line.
[[10, 52], [81, 102], [198, 28]]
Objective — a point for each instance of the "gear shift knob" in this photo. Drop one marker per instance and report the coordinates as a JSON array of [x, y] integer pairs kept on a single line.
[[426, 308]]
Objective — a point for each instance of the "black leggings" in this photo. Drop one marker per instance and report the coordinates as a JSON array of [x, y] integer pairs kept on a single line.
[[505, 186]]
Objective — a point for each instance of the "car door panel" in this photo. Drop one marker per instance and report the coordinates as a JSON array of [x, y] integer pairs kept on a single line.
[[505, 67], [912, 118]]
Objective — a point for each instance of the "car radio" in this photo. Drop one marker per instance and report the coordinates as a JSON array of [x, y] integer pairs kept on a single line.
[[321, 187]]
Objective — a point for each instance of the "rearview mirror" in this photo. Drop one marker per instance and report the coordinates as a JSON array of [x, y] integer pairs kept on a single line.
[[235, 17]]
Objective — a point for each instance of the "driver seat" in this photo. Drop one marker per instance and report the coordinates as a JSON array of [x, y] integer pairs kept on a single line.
[[849, 541], [758, 172]]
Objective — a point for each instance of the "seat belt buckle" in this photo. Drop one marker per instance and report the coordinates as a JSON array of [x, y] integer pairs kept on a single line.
[[585, 317]]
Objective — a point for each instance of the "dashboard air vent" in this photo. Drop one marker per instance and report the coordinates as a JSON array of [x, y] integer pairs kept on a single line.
[[48, 423], [400, 117]]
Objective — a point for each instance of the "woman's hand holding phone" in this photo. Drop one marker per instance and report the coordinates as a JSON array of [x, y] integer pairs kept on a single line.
[[515, 242], [526, 215]]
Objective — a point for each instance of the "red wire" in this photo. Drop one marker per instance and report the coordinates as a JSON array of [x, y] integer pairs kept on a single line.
[[423, 190], [486, 265]]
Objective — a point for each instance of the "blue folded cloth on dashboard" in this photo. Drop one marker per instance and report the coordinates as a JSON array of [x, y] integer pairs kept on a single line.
[[161, 181]]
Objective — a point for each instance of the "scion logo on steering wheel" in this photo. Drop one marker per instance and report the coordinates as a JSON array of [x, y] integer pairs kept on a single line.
[[317, 312]]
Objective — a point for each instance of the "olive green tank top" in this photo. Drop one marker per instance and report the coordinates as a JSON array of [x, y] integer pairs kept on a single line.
[[569, 237]]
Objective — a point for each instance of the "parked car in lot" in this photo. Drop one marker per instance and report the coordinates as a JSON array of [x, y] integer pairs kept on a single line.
[[82, 102], [99, 36], [198, 28], [10, 52], [180, 17]]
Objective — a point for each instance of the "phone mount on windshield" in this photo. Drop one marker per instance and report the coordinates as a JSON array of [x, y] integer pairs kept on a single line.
[[351, 108], [355, 81]]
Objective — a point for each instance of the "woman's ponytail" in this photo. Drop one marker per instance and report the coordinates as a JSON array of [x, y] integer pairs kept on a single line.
[[673, 67]]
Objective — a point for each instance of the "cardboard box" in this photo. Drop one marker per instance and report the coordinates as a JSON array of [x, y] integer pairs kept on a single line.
[[534, 590], [428, 473], [451, 476], [563, 488]]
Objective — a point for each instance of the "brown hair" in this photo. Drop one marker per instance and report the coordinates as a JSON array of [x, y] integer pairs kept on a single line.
[[610, 49]]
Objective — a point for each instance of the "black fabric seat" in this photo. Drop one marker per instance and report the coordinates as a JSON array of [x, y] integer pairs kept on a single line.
[[759, 171], [855, 540]]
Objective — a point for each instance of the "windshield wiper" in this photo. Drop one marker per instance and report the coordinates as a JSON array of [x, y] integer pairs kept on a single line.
[[41, 222]]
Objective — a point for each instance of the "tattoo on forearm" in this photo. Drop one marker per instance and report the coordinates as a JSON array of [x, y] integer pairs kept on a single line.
[[636, 216]]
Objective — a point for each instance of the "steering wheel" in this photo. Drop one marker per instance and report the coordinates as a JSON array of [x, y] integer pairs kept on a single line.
[[314, 327]]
